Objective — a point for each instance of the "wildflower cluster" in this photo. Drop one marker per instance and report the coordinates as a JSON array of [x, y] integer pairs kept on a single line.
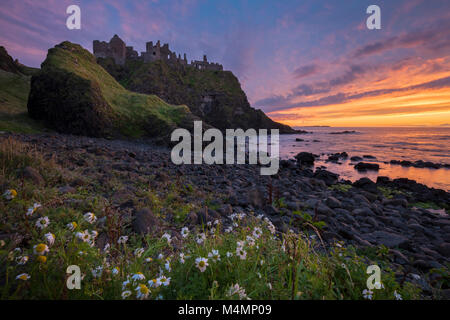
[[239, 258]]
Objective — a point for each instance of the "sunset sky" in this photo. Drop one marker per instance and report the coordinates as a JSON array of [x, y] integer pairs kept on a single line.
[[308, 62]]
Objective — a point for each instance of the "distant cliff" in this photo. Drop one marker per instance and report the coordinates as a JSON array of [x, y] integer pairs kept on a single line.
[[214, 96], [14, 89], [13, 66]]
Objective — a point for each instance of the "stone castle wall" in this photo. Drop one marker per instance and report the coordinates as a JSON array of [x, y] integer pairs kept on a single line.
[[117, 49]]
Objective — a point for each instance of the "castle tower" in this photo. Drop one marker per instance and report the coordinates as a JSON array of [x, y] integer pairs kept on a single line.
[[204, 58], [118, 49], [149, 47]]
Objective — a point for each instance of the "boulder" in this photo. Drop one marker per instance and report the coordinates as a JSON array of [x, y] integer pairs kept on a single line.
[[66, 189], [336, 156], [382, 180], [363, 166], [395, 202], [444, 249], [32, 174], [305, 158], [332, 202], [366, 184], [145, 221], [388, 239], [322, 209], [328, 177], [256, 198]]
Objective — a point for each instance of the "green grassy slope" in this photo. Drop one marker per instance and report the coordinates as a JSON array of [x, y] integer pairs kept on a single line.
[[14, 89], [78, 77]]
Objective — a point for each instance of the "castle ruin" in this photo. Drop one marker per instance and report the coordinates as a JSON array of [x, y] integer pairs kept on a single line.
[[120, 52]]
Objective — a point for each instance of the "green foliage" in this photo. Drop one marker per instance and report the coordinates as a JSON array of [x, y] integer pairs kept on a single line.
[[220, 91], [14, 89], [263, 266], [307, 220], [426, 205], [441, 277], [388, 192], [279, 203]]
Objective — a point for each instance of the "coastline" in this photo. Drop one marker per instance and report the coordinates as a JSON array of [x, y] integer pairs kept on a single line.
[[400, 152]]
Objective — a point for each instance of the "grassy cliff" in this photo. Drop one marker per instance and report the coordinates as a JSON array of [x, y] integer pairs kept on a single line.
[[214, 96], [73, 94], [14, 89]]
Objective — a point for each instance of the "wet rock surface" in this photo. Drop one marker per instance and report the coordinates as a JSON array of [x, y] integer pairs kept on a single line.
[[420, 164]]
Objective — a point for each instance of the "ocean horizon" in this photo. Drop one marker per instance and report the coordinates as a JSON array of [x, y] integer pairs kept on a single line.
[[409, 143]]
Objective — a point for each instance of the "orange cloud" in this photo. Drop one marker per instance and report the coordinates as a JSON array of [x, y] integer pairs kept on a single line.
[[426, 107]]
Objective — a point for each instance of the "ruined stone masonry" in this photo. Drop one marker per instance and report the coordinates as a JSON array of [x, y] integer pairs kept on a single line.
[[117, 49]]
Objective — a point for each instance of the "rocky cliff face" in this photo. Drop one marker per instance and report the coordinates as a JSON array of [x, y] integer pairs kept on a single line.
[[73, 94], [214, 96], [6, 62]]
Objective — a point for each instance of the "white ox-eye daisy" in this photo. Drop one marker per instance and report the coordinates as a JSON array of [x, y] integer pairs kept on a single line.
[[90, 217], [122, 240], [85, 236], [184, 232], [241, 253], [139, 252], [97, 272], [201, 263], [200, 238], [214, 255], [50, 237], [236, 289], [41, 249], [138, 276], [21, 260], [154, 283], [23, 276], [32, 209], [257, 232], [397, 295], [142, 291], [168, 237], [367, 294], [72, 225], [164, 281], [42, 222], [10, 194]]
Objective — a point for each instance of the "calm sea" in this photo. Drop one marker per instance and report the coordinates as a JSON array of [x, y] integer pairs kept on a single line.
[[391, 143]]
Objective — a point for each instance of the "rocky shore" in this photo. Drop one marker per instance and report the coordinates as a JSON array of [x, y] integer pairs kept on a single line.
[[406, 217]]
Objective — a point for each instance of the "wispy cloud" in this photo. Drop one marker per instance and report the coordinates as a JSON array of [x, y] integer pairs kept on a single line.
[[305, 71]]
